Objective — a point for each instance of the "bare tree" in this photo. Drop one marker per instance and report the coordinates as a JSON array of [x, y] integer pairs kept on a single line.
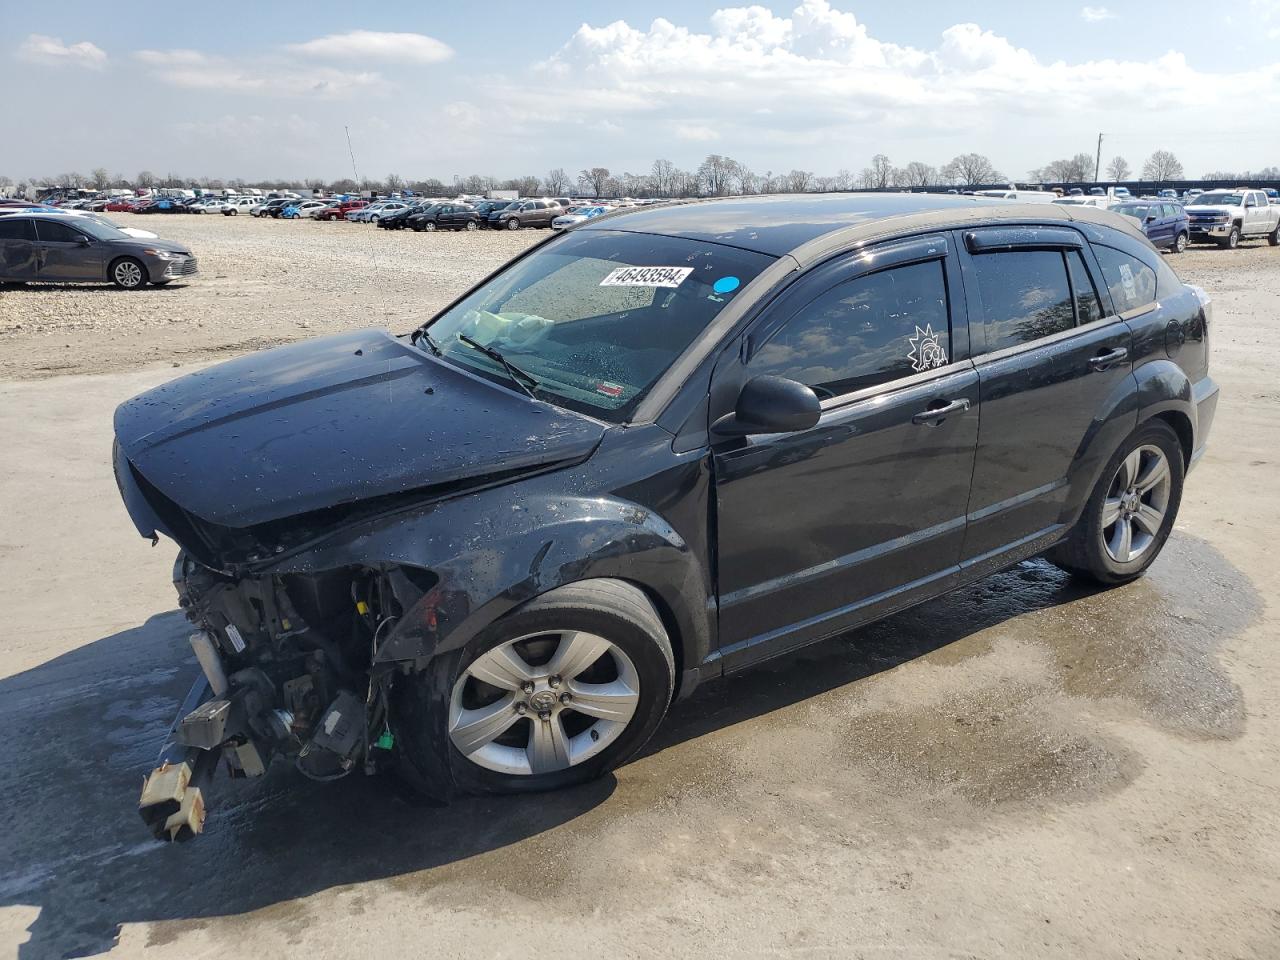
[[557, 182], [970, 170], [716, 174], [528, 186], [145, 180], [880, 173], [1118, 169], [5, 184], [918, 174], [746, 181], [1161, 166], [100, 177], [799, 181], [843, 180], [394, 182], [662, 177], [595, 179]]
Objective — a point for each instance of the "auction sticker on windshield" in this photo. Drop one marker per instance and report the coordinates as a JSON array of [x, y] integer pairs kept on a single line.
[[647, 277]]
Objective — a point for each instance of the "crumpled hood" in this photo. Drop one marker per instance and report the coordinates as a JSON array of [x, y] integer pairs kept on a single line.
[[333, 421]]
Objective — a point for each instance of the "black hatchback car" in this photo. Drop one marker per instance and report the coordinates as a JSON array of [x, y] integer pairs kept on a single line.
[[664, 446]]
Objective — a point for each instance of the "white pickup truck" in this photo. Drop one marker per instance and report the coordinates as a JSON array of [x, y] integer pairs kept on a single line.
[[1226, 217]]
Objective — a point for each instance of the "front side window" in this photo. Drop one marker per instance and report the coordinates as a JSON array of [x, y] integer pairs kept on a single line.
[[1132, 283], [53, 232], [595, 317], [864, 332], [1025, 296]]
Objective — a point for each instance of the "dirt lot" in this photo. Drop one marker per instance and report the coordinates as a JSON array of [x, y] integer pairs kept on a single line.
[[1022, 769]]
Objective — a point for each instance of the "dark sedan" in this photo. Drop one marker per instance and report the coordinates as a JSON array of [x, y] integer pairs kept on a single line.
[[662, 447], [1165, 223], [64, 249]]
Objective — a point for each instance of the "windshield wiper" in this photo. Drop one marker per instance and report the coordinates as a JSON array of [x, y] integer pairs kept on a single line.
[[424, 337], [526, 382]]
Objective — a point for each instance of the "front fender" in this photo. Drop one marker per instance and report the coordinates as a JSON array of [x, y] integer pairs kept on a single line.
[[492, 551]]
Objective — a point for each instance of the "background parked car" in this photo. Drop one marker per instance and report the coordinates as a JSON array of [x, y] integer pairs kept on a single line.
[[528, 213], [399, 219], [66, 249], [238, 205], [577, 215], [295, 209], [340, 210], [1166, 224], [446, 216]]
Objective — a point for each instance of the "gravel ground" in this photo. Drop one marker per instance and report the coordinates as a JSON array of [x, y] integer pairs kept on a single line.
[[261, 283], [266, 282]]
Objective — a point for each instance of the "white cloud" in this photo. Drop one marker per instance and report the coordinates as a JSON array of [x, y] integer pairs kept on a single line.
[[1096, 14], [38, 48], [387, 47], [819, 77], [278, 78]]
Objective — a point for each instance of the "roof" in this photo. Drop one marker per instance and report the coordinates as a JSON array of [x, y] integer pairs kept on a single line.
[[806, 226]]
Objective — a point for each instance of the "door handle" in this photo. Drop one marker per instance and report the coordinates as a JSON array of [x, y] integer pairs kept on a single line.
[[939, 410], [1108, 359]]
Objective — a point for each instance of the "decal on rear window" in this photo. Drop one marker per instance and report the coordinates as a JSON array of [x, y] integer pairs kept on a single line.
[[647, 277]]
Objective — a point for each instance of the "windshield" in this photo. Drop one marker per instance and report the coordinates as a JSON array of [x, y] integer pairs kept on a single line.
[[1220, 198], [595, 316], [1138, 210]]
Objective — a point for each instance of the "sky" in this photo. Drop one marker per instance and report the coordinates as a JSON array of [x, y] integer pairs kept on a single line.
[[264, 90]]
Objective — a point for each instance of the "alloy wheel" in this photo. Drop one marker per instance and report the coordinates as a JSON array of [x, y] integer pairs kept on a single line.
[[543, 703], [127, 274], [1137, 500]]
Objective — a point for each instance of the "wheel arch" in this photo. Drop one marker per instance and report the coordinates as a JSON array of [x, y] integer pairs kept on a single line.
[[472, 580]]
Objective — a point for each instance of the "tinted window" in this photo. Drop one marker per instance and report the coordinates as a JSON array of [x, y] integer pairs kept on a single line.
[[1025, 296], [57, 232], [1132, 283], [864, 332], [1088, 306], [13, 228]]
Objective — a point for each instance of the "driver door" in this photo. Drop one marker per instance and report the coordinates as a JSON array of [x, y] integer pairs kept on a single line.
[[829, 527]]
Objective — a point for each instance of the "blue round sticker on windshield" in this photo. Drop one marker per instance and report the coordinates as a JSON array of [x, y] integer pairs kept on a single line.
[[726, 285]]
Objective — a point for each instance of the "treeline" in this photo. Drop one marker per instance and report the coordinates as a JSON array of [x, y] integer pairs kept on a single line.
[[716, 176]]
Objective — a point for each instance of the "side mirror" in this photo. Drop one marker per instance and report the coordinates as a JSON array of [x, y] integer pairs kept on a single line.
[[1150, 217], [84, 241], [771, 405]]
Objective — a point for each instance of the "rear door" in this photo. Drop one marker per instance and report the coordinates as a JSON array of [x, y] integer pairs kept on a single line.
[[821, 529], [1054, 368], [17, 248], [65, 253]]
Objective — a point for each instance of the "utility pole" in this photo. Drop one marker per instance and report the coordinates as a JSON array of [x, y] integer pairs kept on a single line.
[[1097, 165]]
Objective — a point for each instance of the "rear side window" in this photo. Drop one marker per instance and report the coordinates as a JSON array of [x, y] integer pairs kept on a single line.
[[865, 332], [1025, 296], [12, 228], [57, 232], [1132, 283]]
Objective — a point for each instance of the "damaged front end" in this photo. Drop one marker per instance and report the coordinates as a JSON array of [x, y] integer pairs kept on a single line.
[[290, 669]]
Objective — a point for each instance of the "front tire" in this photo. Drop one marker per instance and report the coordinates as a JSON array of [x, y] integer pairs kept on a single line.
[[513, 224], [1232, 240], [429, 226], [558, 692], [1130, 512], [129, 274]]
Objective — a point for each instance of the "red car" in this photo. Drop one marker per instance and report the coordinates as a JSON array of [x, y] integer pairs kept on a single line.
[[121, 204], [340, 211]]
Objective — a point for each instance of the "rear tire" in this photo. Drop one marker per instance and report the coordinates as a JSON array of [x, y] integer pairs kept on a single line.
[[471, 225], [611, 616], [1273, 237], [1096, 547], [1180, 243]]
